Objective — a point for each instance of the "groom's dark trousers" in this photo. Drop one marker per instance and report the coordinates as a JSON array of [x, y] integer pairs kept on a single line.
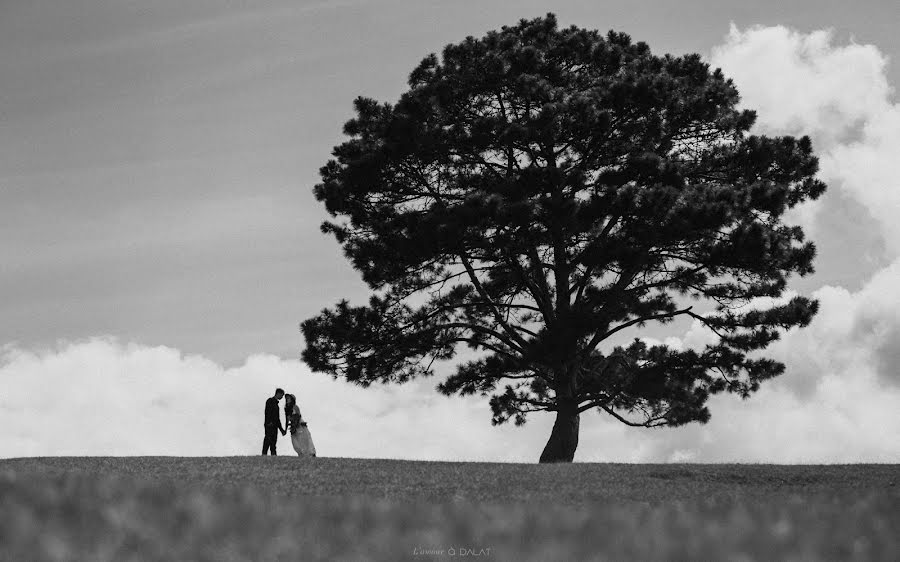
[[272, 424], [270, 440]]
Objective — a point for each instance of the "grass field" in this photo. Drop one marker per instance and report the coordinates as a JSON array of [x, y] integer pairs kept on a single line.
[[284, 508]]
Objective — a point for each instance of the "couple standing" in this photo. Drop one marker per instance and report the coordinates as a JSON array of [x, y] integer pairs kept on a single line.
[[300, 437]]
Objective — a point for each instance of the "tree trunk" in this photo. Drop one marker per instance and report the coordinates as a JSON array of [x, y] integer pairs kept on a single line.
[[564, 437]]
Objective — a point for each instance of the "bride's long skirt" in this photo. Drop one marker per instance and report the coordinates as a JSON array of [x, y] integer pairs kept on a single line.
[[302, 442]]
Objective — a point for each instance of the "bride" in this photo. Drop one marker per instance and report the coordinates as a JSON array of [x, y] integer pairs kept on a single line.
[[300, 437]]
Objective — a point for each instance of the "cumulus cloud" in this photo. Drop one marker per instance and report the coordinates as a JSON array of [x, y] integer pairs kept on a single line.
[[803, 83], [838, 398], [849, 419], [103, 397], [839, 95], [865, 168], [836, 402]]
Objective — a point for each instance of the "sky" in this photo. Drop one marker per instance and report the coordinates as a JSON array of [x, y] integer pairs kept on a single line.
[[160, 242]]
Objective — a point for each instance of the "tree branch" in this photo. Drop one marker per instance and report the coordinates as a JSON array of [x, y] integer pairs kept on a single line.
[[648, 423], [645, 319]]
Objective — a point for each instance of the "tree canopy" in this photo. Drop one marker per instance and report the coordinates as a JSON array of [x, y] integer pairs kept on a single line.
[[539, 194]]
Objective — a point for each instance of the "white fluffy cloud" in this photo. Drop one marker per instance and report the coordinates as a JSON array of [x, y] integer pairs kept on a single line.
[[837, 401], [101, 397], [866, 169], [802, 83], [839, 95]]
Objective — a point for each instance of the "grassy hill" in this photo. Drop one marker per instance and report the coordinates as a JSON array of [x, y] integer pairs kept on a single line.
[[238, 508]]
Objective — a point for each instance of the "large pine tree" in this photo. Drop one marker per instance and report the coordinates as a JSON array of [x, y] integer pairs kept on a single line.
[[539, 193]]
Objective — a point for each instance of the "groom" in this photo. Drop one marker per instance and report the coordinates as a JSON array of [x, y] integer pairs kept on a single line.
[[272, 423]]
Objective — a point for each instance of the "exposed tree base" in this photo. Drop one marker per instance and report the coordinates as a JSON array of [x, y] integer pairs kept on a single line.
[[564, 438]]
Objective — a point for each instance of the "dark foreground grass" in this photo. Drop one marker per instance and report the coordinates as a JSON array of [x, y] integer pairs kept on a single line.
[[253, 508]]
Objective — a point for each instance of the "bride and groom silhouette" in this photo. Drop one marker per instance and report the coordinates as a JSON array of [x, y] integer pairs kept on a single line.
[[300, 436]]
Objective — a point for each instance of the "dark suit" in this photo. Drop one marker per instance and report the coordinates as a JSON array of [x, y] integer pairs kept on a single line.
[[272, 425]]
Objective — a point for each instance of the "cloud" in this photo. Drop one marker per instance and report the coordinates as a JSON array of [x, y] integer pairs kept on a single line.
[[865, 168], [103, 397], [849, 419], [838, 398], [839, 95], [852, 331], [802, 83], [836, 402]]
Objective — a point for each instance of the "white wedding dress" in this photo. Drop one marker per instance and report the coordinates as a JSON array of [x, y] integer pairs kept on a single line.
[[300, 436]]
